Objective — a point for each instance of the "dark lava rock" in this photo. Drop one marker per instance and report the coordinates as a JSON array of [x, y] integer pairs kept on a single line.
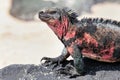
[[95, 71]]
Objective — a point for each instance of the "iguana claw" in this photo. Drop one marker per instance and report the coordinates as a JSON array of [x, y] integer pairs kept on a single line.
[[51, 61]]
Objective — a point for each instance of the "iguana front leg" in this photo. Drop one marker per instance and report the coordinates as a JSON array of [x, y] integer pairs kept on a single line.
[[58, 59], [78, 67]]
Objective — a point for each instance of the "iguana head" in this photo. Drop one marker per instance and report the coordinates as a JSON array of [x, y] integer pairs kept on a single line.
[[58, 19]]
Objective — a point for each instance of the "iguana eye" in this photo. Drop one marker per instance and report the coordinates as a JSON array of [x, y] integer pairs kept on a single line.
[[53, 12]]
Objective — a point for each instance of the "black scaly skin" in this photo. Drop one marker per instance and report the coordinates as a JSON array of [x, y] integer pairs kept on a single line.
[[103, 31], [78, 60]]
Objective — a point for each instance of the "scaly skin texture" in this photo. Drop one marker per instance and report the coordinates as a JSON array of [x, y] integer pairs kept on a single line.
[[95, 38]]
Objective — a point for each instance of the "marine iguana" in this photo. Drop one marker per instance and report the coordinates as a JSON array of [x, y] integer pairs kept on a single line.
[[95, 38]]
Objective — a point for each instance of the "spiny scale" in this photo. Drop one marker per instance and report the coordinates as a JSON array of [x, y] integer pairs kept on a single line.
[[101, 20]]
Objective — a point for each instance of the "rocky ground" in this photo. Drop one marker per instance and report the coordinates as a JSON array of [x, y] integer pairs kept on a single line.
[[95, 71]]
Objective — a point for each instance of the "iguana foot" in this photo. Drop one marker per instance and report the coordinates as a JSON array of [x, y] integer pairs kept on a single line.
[[50, 61], [56, 61]]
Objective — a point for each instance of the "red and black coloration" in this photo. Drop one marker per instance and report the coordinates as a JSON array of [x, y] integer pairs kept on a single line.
[[95, 38]]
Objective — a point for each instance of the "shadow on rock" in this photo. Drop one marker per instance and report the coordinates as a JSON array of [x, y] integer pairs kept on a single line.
[[91, 66]]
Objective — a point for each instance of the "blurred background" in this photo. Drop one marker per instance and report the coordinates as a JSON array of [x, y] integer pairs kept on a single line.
[[24, 39]]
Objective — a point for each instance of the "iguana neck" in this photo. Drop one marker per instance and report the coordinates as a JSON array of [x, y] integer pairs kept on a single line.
[[60, 27]]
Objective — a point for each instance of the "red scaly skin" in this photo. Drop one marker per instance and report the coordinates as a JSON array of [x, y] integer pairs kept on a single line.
[[59, 27], [89, 52]]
